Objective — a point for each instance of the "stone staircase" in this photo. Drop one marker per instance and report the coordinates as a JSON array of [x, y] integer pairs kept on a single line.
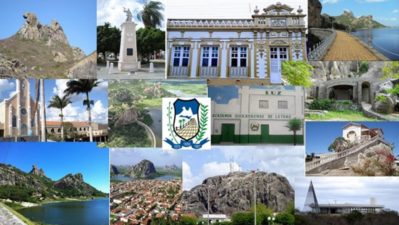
[[337, 160]]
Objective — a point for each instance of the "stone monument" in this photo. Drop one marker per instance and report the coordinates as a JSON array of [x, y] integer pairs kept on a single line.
[[128, 51]]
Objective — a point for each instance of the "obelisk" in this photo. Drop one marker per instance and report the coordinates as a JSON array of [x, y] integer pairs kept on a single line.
[[128, 50]]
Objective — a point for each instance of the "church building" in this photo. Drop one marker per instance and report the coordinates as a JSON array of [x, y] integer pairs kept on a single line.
[[18, 117], [237, 48]]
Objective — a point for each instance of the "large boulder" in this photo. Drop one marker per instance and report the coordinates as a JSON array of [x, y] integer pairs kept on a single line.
[[143, 169], [376, 161], [314, 13], [234, 192]]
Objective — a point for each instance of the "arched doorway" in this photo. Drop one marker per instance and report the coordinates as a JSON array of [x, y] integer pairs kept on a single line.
[[341, 92], [366, 95]]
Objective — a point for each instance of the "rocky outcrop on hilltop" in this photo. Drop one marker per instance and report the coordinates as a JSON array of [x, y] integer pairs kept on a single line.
[[345, 21], [34, 30], [386, 102], [234, 192], [35, 186], [114, 170], [74, 185], [42, 51], [36, 171], [143, 169], [314, 12]]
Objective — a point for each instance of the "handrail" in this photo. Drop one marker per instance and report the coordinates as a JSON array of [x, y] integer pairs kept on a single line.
[[339, 155], [320, 49]]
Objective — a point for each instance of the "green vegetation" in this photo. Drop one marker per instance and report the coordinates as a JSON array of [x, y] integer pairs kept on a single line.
[[60, 103], [381, 98], [391, 70], [294, 125], [149, 40], [354, 218], [346, 115], [108, 39], [297, 73], [151, 14]]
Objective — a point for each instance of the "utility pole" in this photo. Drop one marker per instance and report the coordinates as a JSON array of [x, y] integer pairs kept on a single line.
[[254, 172]]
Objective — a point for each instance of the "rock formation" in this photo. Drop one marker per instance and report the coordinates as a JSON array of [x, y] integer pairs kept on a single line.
[[314, 12], [234, 192], [114, 170], [38, 187], [43, 51], [36, 171], [143, 169], [386, 102], [127, 117], [33, 30]]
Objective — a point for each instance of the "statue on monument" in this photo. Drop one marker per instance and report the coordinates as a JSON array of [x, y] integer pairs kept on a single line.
[[129, 15]]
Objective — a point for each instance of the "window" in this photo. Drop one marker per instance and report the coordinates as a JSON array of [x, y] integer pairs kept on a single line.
[[59, 130], [181, 56], [52, 130], [282, 105], [129, 51], [14, 121], [263, 104], [210, 56], [32, 123], [23, 111], [238, 57]]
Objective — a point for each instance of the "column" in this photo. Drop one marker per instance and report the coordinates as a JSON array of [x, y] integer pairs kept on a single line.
[[29, 113], [253, 60], [36, 115], [42, 112], [194, 59], [18, 83], [223, 65], [9, 119]]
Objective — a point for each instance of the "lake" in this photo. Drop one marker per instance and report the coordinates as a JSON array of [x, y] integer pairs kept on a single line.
[[124, 178], [384, 40], [93, 212]]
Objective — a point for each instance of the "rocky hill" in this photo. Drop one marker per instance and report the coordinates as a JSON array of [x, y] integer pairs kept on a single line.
[[41, 51], [143, 169], [363, 22], [345, 21], [34, 186], [234, 192], [114, 170]]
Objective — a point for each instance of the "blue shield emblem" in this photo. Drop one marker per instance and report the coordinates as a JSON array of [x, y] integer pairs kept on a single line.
[[186, 121]]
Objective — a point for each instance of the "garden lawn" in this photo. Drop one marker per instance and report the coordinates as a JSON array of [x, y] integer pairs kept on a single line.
[[347, 115]]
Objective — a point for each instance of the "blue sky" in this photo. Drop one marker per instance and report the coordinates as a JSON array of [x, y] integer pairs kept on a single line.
[[73, 112], [319, 135], [383, 11], [357, 190], [199, 165], [60, 159], [77, 17], [129, 156]]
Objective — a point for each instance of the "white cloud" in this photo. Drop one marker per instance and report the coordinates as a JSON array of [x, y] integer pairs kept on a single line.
[[112, 11], [5, 86], [395, 11], [98, 112]]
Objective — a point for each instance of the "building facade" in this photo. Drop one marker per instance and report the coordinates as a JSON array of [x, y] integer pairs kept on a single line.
[[80, 129], [19, 115], [255, 114], [236, 48], [356, 133]]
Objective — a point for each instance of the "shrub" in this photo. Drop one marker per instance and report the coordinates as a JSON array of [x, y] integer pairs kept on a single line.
[[321, 104]]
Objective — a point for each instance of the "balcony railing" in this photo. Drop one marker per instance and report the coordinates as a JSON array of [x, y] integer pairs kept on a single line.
[[320, 49]]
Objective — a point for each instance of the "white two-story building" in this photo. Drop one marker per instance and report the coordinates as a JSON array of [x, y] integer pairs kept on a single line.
[[236, 48]]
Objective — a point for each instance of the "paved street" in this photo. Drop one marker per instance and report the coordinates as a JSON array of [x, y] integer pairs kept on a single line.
[[346, 47], [7, 218], [143, 73]]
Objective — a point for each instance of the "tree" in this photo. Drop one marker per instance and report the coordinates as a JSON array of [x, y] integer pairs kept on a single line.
[[108, 39], [149, 40], [339, 144], [83, 86], [294, 125], [60, 103], [391, 70], [297, 73], [285, 218], [151, 14]]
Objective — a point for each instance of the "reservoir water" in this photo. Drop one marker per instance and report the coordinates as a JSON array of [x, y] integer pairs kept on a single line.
[[384, 40], [93, 212]]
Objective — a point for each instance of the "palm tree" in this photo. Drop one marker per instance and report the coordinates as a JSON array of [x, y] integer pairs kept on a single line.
[[60, 103], [151, 14], [83, 86], [294, 125]]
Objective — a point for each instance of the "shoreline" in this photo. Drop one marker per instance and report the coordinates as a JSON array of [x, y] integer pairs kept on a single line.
[[24, 205]]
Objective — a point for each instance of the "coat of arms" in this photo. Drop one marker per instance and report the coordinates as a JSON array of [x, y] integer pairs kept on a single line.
[[186, 123]]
